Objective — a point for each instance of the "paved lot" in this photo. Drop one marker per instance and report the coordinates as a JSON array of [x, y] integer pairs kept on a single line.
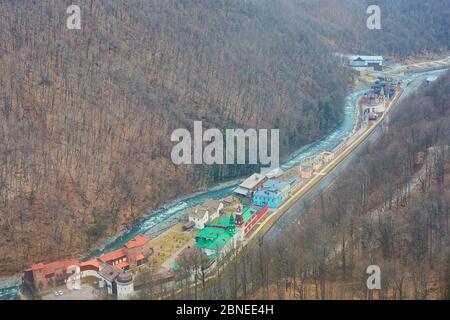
[[87, 292]]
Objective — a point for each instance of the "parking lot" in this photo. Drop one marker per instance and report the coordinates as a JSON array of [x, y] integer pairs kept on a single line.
[[86, 292]]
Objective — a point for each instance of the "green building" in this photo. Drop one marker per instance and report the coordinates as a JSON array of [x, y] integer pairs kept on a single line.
[[217, 238]]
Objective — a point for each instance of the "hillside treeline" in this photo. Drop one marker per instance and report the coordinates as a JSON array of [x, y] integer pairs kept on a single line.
[[408, 27], [86, 115], [391, 208]]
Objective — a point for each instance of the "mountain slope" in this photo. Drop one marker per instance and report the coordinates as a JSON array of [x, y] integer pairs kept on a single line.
[[408, 27], [86, 116]]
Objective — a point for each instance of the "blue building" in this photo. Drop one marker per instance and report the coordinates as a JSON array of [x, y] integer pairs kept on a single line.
[[270, 196], [285, 186]]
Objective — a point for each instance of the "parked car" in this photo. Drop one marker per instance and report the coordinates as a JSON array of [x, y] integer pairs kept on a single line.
[[60, 292], [56, 293]]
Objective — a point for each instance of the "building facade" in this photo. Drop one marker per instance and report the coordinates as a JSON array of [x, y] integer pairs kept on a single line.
[[248, 217], [125, 286], [282, 185], [199, 217], [306, 172], [249, 186], [115, 281], [217, 239], [209, 210], [268, 196], [42, 277], [366, 61]]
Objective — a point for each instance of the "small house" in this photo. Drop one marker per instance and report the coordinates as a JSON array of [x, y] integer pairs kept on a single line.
[[199, 216], [306, 172]]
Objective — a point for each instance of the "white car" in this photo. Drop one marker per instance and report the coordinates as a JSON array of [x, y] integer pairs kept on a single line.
[[60, 293], [56, 293]]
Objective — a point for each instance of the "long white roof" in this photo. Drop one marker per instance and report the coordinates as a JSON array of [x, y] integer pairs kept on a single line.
[[241, 191], [252, 181], [274, 173], [367, 57]]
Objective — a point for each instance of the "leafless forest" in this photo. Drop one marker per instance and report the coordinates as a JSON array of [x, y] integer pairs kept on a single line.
[[86, 116], [408, 27]]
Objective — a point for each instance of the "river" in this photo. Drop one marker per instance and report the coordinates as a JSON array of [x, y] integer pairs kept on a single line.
[[158, 220]]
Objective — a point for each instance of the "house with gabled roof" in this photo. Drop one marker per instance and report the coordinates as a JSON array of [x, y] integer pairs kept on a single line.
[[42, 277]]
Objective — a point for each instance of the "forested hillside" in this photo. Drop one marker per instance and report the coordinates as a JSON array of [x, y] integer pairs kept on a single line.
[[86, 115], [408, 27]]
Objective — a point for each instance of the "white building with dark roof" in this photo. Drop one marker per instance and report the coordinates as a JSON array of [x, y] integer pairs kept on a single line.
[[106, 276], [275, 173], [115, 281], [366, 61], [199, 216]]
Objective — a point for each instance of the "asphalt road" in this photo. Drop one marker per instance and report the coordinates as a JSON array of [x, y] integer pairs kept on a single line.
[[292, 214]]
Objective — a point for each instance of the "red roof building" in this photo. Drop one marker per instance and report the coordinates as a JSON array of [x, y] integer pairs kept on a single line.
[[93, 264], [113, 256], [43, 277], [139, 241]]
